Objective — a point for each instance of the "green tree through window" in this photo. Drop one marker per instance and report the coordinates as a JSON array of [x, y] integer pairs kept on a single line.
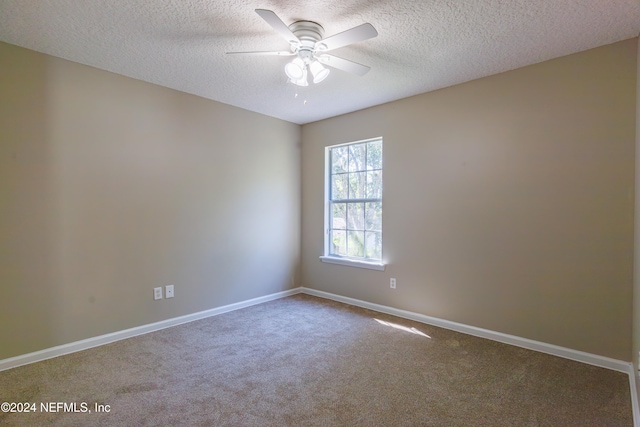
[[355, 200]]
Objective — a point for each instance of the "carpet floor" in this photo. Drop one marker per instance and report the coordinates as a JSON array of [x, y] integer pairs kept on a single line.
[[307, 361]]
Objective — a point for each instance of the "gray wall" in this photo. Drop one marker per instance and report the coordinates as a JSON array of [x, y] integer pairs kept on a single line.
[[508, 202], [110, 186]]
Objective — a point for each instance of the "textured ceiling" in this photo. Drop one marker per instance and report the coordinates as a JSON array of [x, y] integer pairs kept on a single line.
[[422, 45]]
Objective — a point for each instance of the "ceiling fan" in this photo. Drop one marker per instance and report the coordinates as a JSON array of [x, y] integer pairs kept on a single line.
[[308, 46]]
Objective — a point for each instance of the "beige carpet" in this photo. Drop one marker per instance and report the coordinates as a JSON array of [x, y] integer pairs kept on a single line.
[[306, 361]]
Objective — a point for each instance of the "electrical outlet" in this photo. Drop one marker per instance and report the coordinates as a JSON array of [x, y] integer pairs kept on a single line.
[[157, 293], [392, 283], [168, 291]]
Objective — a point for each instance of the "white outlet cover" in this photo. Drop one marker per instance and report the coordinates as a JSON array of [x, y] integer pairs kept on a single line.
[[168, 291], [157, 293]]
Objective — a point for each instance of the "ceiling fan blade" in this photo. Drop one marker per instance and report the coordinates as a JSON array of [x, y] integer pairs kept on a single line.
[[354, 35], [344, 64], [281, 53], [277, 24]]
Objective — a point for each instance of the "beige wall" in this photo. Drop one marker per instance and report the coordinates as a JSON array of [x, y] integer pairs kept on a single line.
[[508, 202], [110, 186], [635, 354]]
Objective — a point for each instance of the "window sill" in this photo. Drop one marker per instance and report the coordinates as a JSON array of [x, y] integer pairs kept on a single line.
[[353, 263]]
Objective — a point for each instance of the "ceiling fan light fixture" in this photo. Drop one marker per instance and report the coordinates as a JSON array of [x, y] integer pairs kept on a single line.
[[295, 69], [318, 71]]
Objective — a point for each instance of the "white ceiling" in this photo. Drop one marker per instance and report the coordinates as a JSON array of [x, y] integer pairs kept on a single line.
[[422, 45]]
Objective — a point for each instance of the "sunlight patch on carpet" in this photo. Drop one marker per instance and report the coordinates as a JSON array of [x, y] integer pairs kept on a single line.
[[402, 328]]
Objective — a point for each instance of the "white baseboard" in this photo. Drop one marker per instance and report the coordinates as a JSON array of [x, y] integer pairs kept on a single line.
[[567, 353], [60, 350]]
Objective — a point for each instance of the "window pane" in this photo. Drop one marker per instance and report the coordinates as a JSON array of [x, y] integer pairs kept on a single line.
[[357, 159], [357, 182], [339, 216], [355, 245], [374, 155], [338, 243], [339, 187], [355, 216], [339, 159], [373, 216], [373, 245], [374, 185], [355, 227]]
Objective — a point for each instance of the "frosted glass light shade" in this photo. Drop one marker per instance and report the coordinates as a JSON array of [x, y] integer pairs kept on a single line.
[[301, 81], [319, 72], [295, 69]]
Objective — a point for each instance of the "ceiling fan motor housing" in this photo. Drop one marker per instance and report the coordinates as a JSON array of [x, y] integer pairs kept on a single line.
[[308, 33]]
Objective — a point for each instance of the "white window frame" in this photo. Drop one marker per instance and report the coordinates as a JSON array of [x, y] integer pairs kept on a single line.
[[336, 259]]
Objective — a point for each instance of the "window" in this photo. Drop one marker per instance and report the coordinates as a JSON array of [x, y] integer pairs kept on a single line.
[[353, 201]]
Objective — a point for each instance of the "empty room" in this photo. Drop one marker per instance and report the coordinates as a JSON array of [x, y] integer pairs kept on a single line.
[[356, 213]]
